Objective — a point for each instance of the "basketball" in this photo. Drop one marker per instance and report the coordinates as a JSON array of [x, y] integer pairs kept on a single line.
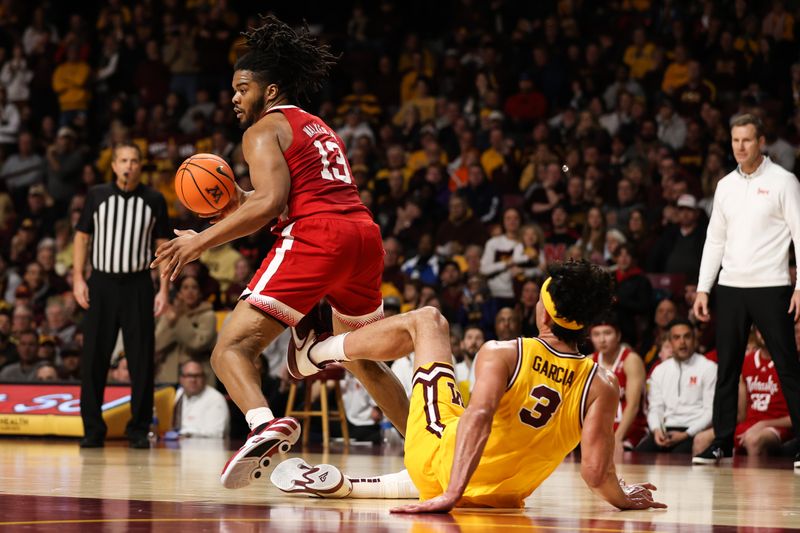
[[204, 183]]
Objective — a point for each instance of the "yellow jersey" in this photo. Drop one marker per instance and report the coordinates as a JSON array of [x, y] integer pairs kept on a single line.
[[537, 423]]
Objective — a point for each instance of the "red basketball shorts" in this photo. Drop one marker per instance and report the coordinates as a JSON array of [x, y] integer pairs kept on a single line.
[[336, 258], [783, 434]]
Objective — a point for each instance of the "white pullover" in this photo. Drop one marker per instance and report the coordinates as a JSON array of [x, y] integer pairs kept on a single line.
[[755, 218], [681, 394]]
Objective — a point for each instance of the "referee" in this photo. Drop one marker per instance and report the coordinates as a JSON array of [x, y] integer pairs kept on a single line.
[[126, 220], [756, 217]]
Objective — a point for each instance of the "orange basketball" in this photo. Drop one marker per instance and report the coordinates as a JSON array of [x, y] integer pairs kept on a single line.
[[204, 183]]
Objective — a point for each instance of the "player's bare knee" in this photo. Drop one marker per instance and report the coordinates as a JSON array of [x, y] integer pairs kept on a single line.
[[753, 444], [430, 316]]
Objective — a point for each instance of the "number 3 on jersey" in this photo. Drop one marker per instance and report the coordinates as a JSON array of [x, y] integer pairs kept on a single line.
[[547, 401], [339, 166]]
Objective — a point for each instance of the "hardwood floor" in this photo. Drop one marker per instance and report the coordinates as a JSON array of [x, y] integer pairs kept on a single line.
[[52, 485]]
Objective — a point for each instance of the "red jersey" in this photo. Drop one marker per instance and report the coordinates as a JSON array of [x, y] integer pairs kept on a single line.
[[322, 182], [639, 426], [765, 399]]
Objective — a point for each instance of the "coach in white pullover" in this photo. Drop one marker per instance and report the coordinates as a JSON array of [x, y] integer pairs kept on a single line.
[[755, 218], [680, 394]]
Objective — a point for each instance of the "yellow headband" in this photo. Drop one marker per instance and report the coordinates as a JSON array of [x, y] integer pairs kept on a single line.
[[550, 307]]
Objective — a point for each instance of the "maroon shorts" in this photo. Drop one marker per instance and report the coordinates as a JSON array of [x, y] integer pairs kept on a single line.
[[336, 258], [784, 434]]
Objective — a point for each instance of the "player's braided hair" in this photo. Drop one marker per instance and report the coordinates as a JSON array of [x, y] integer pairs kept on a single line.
[[293, 60], [581, 292]]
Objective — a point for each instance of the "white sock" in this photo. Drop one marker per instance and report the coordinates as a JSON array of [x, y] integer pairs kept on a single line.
[[331, 349], [390, 486], [259, 415]]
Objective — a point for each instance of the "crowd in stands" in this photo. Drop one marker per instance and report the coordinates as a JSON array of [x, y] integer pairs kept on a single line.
[[489, 140]]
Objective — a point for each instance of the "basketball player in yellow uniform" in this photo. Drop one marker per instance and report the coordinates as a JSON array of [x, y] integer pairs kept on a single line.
[[534, 401]]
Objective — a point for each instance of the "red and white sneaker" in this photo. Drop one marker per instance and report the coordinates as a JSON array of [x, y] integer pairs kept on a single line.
[[254, 457], [295, 476], [307, 333]]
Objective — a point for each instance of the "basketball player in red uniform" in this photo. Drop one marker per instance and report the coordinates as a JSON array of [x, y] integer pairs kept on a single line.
[[328, 245], [630, 424], [764, 422]]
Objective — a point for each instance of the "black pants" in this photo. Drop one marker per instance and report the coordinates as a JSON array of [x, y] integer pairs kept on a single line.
[[118, 301], [737, 310], [649, 444]]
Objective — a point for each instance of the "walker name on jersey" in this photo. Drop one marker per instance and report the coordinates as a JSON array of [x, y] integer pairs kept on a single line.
[[552, 371], [756, 385], [315, 129]]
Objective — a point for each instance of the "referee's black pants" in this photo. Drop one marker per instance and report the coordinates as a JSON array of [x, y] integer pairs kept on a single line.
[[118, 301], [737, 310]]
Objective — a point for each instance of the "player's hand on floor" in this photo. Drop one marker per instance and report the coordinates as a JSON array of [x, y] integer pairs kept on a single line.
[[439, 504], [640, 496], [173, 255]]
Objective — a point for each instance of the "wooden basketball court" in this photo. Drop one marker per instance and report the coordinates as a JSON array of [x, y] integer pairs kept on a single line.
[[50, 485]]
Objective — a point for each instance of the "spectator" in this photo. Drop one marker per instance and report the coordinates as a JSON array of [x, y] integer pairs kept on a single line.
[[677, 72], [533, 261], [671, 127], [27, 347], [70, 369], [526, 308], [507, 324], [634, 295], [22, 169], [681, 247], [545, 196], [460, 229], [630, 424], [691, 96], [639, 55], [451, 290], [363, 415], [71, 84], [118, 373], [500, 258], [64, 164], [9, 122], [425, 265], [471, 342], [680, 394], [560, 237], [593, 239], [57, 323], [45, 371], [21, 319], [242, 274], [481, 195], [526, 106], [186, 331], [16, 76], [763, 418], [355, 126], [200, 410]]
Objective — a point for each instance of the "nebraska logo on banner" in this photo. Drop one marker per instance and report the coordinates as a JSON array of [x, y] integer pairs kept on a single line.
[[54, 399]]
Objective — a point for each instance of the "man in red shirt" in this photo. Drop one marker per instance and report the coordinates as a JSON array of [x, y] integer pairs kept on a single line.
[[328, 245], [764, 422]]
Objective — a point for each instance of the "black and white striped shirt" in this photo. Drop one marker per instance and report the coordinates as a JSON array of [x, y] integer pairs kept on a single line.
[[124, 226]]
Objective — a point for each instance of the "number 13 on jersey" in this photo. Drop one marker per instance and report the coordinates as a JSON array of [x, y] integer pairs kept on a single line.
[[334, 165]]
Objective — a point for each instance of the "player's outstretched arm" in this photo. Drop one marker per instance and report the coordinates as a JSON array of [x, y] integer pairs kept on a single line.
[[597, 450], [271, 180], [495, 365]]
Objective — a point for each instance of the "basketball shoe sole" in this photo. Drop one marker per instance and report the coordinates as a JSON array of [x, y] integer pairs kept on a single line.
[[295, 476], [249, 464]]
